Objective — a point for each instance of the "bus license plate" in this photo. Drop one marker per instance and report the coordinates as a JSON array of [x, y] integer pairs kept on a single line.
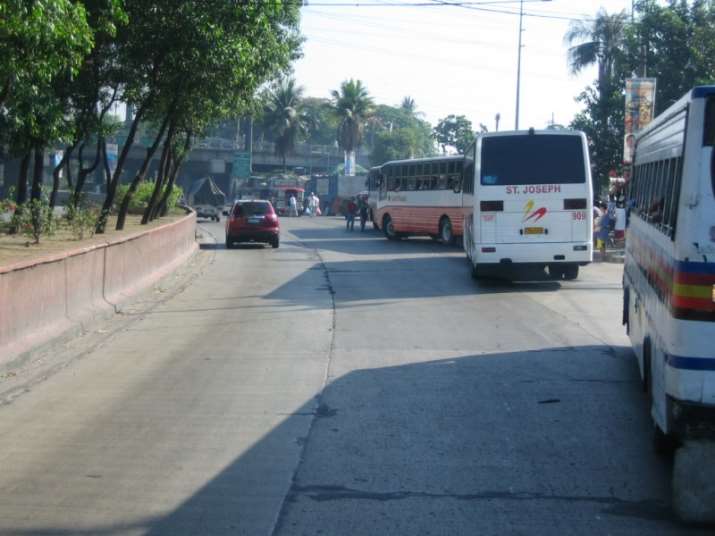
[[534, 230]]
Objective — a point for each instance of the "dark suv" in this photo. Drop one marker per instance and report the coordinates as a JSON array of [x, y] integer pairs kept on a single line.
[[252, 221]]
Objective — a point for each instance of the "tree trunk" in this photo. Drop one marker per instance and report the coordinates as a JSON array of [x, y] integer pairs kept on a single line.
[[56, 173], [112, 188], [124, 207], [146, 217], [164, 204], [21, 192], [105, 162], [37, 176], [84, 173], [166, 174]]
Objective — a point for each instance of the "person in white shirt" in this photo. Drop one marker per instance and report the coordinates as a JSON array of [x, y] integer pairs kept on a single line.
[[293, 206]]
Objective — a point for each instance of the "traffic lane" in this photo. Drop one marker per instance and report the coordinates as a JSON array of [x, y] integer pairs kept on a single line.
[[457, 407], [143, 434]]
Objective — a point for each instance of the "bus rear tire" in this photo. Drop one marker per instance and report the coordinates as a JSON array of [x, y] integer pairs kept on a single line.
[[570, 272], [556, 271]]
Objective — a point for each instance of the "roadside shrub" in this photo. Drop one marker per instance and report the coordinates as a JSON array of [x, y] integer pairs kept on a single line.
[[81, 221], [140, 199], [142, 195], [35, 219]]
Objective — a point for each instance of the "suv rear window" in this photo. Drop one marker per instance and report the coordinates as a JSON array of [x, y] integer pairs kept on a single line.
[[252, 209], [532, 159]]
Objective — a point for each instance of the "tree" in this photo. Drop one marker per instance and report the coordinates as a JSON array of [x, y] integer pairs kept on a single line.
[[408, 104], [601, 43], [605, 136], [352, 105], [454, 131], [39, 40], [674, 44], [193, 66], [285, 117], [397, 133], [322, 121]]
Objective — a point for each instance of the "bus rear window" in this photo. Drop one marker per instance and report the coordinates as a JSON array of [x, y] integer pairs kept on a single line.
[[532, 159]]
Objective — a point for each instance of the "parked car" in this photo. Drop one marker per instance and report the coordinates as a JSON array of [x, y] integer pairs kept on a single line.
[[253, 221]]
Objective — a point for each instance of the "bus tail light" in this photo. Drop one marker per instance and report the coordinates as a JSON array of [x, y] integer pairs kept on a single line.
[[580, 248], [574, 204], [491, 206], [489, 250], [712, 233]]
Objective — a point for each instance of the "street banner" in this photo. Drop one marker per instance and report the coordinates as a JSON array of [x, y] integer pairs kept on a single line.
[[640, 108]]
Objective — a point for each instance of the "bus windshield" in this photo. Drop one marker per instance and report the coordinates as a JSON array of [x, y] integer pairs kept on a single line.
[[532, 159]]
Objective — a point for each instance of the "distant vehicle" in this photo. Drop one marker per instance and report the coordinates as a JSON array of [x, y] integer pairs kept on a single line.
[[529, 200], [252, 221], [420, 197], [669, 271], [206, 198], [281, 196]]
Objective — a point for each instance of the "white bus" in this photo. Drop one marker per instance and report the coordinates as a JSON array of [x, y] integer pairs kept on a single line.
[[420, 197], [529, 199], [669, 273]]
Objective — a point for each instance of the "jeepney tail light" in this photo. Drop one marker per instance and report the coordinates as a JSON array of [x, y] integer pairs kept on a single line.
[[713, 294]]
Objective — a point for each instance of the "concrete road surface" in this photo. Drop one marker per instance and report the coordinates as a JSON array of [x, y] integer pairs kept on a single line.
[[341, 385]]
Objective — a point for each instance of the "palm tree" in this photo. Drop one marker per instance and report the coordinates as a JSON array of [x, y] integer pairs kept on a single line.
[[353, 105], [409, 105], [284, 116], [600, 41]]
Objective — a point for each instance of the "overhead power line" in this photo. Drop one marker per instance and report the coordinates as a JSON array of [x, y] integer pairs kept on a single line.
[[474, 6]]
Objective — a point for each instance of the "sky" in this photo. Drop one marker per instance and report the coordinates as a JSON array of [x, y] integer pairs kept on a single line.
[[450, 59]]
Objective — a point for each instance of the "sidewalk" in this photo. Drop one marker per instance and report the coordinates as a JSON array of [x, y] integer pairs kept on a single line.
[[614, 255]]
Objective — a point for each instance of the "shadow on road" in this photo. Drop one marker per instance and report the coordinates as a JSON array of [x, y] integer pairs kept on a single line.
[[403, 278], [470, 444], [471, 440], [465, 443]]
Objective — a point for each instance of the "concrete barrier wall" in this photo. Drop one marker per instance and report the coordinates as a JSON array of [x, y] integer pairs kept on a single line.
[[42, 298]]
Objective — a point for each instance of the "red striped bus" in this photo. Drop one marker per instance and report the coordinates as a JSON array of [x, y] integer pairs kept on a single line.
[[420, 197]]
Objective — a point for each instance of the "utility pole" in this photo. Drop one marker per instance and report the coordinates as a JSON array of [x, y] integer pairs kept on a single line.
[[518, 63], [518, 60]]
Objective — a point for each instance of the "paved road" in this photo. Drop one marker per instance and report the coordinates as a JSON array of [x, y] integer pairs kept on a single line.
[[343, 385]]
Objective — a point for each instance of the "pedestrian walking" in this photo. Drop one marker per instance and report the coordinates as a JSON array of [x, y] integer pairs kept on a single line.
[[363, 214], [293, 204], [604, 227], [351, 209], [620, 226]]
